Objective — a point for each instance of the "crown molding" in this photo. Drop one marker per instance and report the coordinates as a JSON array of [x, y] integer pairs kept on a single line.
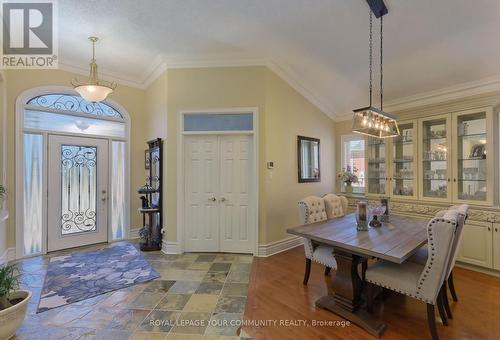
[[439, 96], [162, 63], [228, 60], [459, 91], [301, 87], [157, 68]]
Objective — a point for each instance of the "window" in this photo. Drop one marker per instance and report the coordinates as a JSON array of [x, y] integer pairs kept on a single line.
[[353, 155], [218, 122]]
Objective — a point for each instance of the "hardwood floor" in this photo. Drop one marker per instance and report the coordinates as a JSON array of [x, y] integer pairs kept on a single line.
[[276, 293]]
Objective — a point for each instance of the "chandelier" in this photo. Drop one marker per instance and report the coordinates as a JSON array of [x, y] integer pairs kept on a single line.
[[94, 90], [369, 120]]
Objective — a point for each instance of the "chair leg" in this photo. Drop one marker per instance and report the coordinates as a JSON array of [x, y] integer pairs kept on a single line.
[[364, 266], [442, 313], [444, 295], [327, 270], [452, 287], [369, 297], [308, 271], [432, 321]]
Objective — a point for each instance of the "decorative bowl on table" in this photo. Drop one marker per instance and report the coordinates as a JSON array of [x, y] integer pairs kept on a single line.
[[376, 211]]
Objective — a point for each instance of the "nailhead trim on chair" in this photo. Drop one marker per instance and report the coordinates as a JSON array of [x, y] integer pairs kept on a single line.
[[427, 268], [432, 254], [308, 242]]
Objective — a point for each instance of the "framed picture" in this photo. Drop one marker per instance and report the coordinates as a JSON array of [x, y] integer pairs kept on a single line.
[[147, 159]]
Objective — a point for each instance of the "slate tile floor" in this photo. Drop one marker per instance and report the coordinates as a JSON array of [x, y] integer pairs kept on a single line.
[[195, 298]]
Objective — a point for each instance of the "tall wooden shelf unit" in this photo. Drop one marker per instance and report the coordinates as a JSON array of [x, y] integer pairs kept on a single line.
[[151, 209]]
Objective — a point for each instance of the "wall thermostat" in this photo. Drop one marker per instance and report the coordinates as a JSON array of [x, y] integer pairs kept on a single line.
[[270, 165]]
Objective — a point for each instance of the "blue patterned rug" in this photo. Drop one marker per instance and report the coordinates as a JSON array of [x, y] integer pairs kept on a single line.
[[76, 277]]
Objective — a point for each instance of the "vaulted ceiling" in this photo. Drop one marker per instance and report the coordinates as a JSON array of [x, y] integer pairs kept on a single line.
[[320, 44]]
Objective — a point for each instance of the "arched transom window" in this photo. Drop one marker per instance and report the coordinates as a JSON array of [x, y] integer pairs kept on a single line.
[[72, 114]]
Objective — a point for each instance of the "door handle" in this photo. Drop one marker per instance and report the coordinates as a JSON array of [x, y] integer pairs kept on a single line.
[[103, 195], [213, 199], [223, 199]]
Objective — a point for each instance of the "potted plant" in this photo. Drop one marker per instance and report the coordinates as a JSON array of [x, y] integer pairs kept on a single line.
[[13, 302], [348, 176]]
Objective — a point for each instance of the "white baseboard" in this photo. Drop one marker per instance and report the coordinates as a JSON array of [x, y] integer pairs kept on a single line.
[[8, 255], [276, 247], [169, 247]]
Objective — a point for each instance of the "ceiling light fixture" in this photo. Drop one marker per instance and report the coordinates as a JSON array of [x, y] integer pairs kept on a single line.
[[94, 90], [369, 120]]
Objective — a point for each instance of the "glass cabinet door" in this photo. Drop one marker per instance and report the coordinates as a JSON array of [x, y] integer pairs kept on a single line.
[[434, 168], [376, 165], [470, 176], [403, 178]]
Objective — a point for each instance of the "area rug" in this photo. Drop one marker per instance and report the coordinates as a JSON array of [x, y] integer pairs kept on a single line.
[[80, 276]]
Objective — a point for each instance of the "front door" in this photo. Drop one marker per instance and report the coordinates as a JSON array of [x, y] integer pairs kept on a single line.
[[77, 195]]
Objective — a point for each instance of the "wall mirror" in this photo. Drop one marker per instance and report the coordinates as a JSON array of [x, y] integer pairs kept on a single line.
[[308, 159]]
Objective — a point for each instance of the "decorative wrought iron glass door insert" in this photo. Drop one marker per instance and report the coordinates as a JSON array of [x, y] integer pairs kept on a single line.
[[77, 191], [78, 188]]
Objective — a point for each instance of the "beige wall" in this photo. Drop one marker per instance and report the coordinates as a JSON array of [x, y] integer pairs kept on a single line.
[[283, 114], [133, 100], [288, 114], [156, 108], [341, 128]]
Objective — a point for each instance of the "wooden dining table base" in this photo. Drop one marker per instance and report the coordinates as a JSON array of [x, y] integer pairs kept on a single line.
[[346, 299]]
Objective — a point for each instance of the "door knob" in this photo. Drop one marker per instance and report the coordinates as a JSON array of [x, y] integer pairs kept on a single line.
[[223, 199], [213, 199]]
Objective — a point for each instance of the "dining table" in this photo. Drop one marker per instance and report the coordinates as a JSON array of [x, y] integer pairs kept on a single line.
[[394, 241]]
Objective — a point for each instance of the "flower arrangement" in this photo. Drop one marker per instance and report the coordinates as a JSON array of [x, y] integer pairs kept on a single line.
[[348, 175]]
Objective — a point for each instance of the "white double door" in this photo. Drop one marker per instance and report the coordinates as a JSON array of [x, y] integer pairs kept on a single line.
[[218, 211], [77, 213]]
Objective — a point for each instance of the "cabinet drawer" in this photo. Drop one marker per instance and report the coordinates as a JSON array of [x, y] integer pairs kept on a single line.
[[477, 245]]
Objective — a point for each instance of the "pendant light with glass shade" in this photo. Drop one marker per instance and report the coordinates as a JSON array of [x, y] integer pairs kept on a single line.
[[94, 90], [369, 120]]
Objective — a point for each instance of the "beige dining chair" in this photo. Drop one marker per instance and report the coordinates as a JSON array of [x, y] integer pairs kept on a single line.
[[422, 282], [336, 206], [421, 255], [312, 209]]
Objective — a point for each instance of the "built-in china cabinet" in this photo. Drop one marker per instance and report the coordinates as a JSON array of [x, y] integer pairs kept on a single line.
[[439, 160], [392, 164]]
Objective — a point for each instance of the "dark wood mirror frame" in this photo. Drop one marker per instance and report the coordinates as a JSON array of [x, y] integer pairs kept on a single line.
[[300, 161]]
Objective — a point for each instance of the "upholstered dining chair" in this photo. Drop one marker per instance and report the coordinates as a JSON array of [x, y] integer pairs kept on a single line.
[[421, 255], [422, 282], [312, 209], [336, 206]]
